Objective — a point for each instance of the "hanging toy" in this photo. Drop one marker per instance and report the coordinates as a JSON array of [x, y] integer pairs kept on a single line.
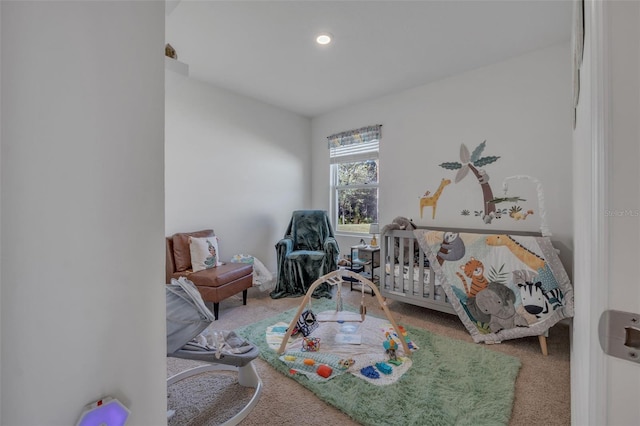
[[363, 308], [306, 324], [339, 307]]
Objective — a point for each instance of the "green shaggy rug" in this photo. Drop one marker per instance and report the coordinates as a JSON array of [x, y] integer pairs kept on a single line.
[[450, 382]]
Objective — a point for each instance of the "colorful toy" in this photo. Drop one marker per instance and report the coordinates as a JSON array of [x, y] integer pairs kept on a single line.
[[370, 372], [384, 367], [324, 371], [346, 363], [306, 323], [403, 336], [309, 361], [390, 343], [390, 346], [310, 344], [289, 358]]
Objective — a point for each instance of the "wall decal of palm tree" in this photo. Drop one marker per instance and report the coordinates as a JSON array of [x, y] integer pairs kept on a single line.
[[474, 162]]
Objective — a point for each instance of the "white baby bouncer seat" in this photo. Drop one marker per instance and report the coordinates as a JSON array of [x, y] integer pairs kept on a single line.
[[187, 318]]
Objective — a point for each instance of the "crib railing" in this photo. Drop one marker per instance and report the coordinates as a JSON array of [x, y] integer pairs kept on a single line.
[[414, 282]]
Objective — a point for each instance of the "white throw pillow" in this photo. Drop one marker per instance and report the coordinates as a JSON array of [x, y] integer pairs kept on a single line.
[[204, 253]]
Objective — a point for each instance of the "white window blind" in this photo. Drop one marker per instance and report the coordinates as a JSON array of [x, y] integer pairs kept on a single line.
[[354, 152]]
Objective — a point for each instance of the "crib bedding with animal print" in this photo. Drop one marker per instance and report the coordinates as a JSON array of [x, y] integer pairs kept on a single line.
[[502, 286]]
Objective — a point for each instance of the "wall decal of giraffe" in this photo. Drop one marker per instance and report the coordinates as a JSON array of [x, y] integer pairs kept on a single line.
[[527, 257], [432, 201]]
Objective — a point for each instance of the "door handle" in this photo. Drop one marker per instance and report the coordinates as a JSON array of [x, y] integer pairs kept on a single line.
[[619, 334]]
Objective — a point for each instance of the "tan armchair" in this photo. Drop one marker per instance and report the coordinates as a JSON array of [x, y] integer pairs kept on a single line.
[[215, 284]]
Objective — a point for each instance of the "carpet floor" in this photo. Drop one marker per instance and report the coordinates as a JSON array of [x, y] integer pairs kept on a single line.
[[449, 381], [544, 380]]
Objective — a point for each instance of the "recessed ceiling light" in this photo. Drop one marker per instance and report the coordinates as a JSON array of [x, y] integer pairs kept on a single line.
[[324, 38]]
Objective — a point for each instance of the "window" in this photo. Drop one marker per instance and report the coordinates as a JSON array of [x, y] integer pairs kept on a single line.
[[354, 179]]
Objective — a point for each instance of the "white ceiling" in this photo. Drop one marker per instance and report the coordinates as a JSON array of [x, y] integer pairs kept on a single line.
[[266, 49]]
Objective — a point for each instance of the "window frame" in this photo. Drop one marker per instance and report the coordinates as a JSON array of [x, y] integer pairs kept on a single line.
[[335, 161]]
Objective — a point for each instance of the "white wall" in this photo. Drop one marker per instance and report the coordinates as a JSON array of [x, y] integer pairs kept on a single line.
[[83, 303], [233, 164], [521, 107]]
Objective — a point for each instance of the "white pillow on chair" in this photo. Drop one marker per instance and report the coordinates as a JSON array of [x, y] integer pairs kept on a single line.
[[204, 253]]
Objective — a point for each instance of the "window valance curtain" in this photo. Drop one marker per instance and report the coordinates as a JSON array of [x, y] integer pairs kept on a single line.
[[359, 144]]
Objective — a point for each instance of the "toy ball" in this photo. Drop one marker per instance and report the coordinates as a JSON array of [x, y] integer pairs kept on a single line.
[[324, 371], [310, 344]]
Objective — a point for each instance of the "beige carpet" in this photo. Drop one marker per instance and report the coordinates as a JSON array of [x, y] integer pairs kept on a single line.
[[542, 388]]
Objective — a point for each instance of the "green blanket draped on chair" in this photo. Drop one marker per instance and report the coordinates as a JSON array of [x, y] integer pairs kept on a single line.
[[308, 251]]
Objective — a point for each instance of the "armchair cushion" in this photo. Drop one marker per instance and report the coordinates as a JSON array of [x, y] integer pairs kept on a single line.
[[225, 273], [182, 250], [315, 255], [205, 253]]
